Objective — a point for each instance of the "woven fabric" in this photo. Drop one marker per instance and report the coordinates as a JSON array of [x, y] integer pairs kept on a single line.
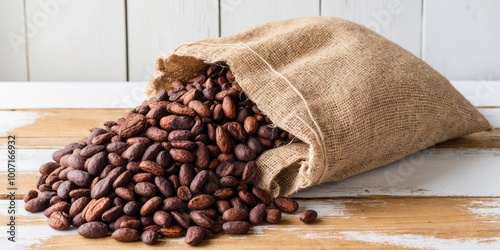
[[356, 100]]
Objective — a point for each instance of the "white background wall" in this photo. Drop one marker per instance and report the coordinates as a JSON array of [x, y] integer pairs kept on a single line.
[[118, 40]]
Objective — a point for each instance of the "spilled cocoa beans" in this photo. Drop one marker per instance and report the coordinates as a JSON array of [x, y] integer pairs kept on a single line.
[[180, 164]]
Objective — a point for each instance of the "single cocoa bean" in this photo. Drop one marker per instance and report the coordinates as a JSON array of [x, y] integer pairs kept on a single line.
[[201, 201], [126, 235], [149, 237], [257, 214], [236, 227], [133, 125], [286, 204], [32, 194], [59, 220], [162, 218], [174, 231], [223, 140], [273, 216], [95, 208], [308, 216], [194, 235]]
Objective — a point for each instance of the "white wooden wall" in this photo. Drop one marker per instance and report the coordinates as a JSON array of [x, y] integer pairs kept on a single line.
[[117, 40]]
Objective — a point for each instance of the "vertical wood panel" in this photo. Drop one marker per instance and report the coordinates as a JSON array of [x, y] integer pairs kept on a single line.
[[399, 21], [239, 15], [462, 38], [158, 26], [12, 41], [76, 40]]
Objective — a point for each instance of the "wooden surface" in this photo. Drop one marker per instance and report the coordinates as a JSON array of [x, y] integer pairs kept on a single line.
[[446, 197]]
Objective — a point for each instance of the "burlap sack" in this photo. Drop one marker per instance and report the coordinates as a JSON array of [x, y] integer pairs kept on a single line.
[[356, 100]]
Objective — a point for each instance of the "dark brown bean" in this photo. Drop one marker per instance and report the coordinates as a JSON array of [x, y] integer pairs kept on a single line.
[[236, 227], [149, 237], [308, 216], [286, 204], [194, 235], [93, 229]]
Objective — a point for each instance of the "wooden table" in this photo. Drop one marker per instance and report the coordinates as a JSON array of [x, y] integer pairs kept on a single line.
[[446, 197]]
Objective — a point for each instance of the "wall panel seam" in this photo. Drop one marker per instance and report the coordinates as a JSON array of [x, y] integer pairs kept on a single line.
[[25, 16], [422, 30]]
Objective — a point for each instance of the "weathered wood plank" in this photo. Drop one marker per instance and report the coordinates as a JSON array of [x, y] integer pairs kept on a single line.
[[432, 172], [372, 223], [58, 123], [54, 123]]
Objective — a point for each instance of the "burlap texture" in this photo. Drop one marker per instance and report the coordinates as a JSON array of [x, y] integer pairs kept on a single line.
[[356, 100]]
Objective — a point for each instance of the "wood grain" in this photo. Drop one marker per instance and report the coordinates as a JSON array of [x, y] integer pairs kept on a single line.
[[63, 126], [453, 168], [347, 223], [367, 211], [433, 172]]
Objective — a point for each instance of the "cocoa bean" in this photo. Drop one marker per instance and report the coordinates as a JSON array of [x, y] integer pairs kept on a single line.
[[286, 204], [59, 220], [94, 229], [236, 227], [194, 235], [308, 216], [126, 235]]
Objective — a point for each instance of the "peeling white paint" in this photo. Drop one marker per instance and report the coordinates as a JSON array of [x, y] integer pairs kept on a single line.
[[422, 241], [313, 236], [16, 119], [29, 160], [26, 238], [486, 209], [327, 207]]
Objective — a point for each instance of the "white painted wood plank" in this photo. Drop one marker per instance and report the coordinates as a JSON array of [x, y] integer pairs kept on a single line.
[[399, 21], [156, 27], [12, 120], [480, 93], [71, 94], [79, 40], [432, 172], [239, 15], [418, 241], [461, 38], [131, 94], [12, 41], [492, 115]]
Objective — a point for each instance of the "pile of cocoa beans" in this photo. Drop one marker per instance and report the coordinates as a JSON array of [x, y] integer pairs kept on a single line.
[[180, 164]]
